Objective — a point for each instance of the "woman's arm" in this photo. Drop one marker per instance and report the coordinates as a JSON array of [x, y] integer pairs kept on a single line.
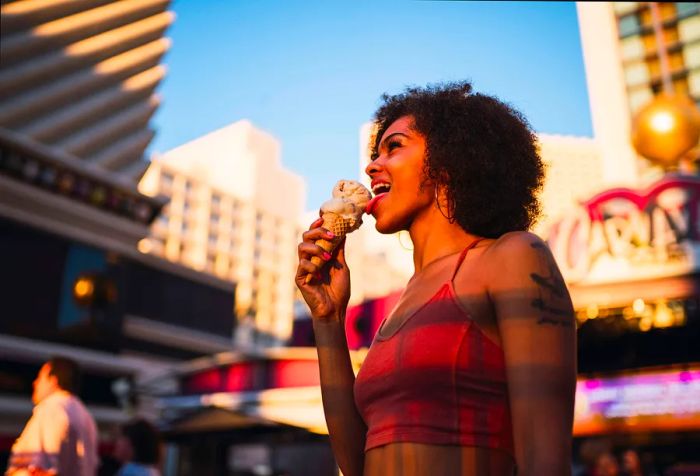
[[346, 428], [538, 333], [327, 296]]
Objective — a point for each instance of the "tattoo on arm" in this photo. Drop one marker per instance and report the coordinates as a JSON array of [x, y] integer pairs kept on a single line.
[[552, 290]]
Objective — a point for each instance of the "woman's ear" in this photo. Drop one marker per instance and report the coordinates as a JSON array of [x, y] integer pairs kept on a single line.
[[443, 202]]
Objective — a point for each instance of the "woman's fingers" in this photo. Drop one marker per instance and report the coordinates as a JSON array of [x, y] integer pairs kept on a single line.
[[306, 271], [317, 233], [307, 250], [308, 246], [305, 268]]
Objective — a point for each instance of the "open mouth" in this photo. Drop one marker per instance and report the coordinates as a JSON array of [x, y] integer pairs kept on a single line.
[[380, 191], [380, 188]]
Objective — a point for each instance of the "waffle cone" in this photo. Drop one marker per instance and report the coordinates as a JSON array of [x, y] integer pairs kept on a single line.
[[340, 227], [337, 225]]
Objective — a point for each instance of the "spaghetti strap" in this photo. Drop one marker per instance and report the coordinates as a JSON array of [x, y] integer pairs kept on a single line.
[[463, 255]]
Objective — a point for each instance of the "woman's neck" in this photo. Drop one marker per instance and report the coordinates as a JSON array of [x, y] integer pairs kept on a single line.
[[434, 237]]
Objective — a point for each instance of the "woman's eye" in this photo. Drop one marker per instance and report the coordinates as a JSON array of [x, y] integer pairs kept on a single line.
[[393, 145]]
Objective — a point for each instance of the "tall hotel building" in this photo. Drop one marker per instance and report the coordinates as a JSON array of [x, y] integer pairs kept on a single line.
[[623, 71], [640, 59], [79, 76], [234, 213]]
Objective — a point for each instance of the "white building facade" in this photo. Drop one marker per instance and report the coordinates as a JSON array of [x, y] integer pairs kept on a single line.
[[234, 212]]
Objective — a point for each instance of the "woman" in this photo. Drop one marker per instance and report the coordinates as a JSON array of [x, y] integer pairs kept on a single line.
[[138, 449], [473, 372]]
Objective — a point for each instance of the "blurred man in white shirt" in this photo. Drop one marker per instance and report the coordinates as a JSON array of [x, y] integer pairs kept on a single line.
[[60, 438]]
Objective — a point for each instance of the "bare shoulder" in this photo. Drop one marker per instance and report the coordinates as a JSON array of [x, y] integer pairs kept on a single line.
[[518, 249], [525, 279]]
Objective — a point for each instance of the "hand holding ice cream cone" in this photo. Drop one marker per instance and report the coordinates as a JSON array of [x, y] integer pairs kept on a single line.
[[341, 215]]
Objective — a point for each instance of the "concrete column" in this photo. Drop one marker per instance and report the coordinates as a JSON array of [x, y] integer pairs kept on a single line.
[[607, 92]]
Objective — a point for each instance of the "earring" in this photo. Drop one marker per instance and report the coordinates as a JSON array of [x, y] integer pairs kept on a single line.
[[437, 203], [399, 235]]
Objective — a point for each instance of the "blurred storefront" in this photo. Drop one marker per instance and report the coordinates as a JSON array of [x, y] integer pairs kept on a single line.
[[631, 259], [258, 412]]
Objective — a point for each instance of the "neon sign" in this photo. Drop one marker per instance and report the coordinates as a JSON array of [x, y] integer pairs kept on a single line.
[[624, 234], [667, 400]]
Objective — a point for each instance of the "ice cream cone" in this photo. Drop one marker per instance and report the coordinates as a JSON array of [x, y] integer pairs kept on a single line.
[[340, 227], [341, 215]]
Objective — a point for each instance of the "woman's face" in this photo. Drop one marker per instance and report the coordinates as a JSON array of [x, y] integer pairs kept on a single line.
[[398, 182]]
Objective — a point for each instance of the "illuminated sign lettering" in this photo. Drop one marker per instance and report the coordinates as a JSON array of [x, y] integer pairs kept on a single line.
[[624, 234]]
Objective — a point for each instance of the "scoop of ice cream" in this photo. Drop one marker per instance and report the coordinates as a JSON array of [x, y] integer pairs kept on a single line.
[[340, 206], [341, 214], [353, 191]]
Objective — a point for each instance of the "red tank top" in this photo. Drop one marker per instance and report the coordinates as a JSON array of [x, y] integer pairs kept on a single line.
[[437, 380]]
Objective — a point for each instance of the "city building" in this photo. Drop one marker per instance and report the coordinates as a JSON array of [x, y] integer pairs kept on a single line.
[[624, 72], [629, 252], [574, 171], [234, 213], [76, 95], [639, 51], [79, 76], [74, 284]]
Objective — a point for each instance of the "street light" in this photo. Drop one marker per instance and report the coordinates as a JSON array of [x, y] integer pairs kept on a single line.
[[666, 128], [93, 290]]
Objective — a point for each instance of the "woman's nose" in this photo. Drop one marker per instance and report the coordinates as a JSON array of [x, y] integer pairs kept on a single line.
[[373, 167]]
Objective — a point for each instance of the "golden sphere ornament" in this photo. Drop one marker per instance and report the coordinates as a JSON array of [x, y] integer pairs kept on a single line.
[[666, 128]]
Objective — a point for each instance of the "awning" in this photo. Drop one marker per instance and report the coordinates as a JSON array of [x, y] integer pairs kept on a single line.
[[300, 407], [624, 294]]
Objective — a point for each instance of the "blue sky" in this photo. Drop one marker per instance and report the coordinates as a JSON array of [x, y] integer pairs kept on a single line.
[[311, 72]]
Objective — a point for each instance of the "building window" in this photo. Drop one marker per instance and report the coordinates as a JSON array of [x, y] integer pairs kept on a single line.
[[636, 73], [691, 55], [639, 97], [629, 25], [694, 83], [686, 9], [632, 48], [622, 8], [689, 29], [166, 181], [211, 263]]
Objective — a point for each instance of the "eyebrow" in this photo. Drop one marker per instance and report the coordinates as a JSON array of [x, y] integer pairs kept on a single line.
[[386, 139]]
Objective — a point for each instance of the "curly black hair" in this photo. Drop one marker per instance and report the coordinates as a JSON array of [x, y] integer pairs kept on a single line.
[[480, 149]]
